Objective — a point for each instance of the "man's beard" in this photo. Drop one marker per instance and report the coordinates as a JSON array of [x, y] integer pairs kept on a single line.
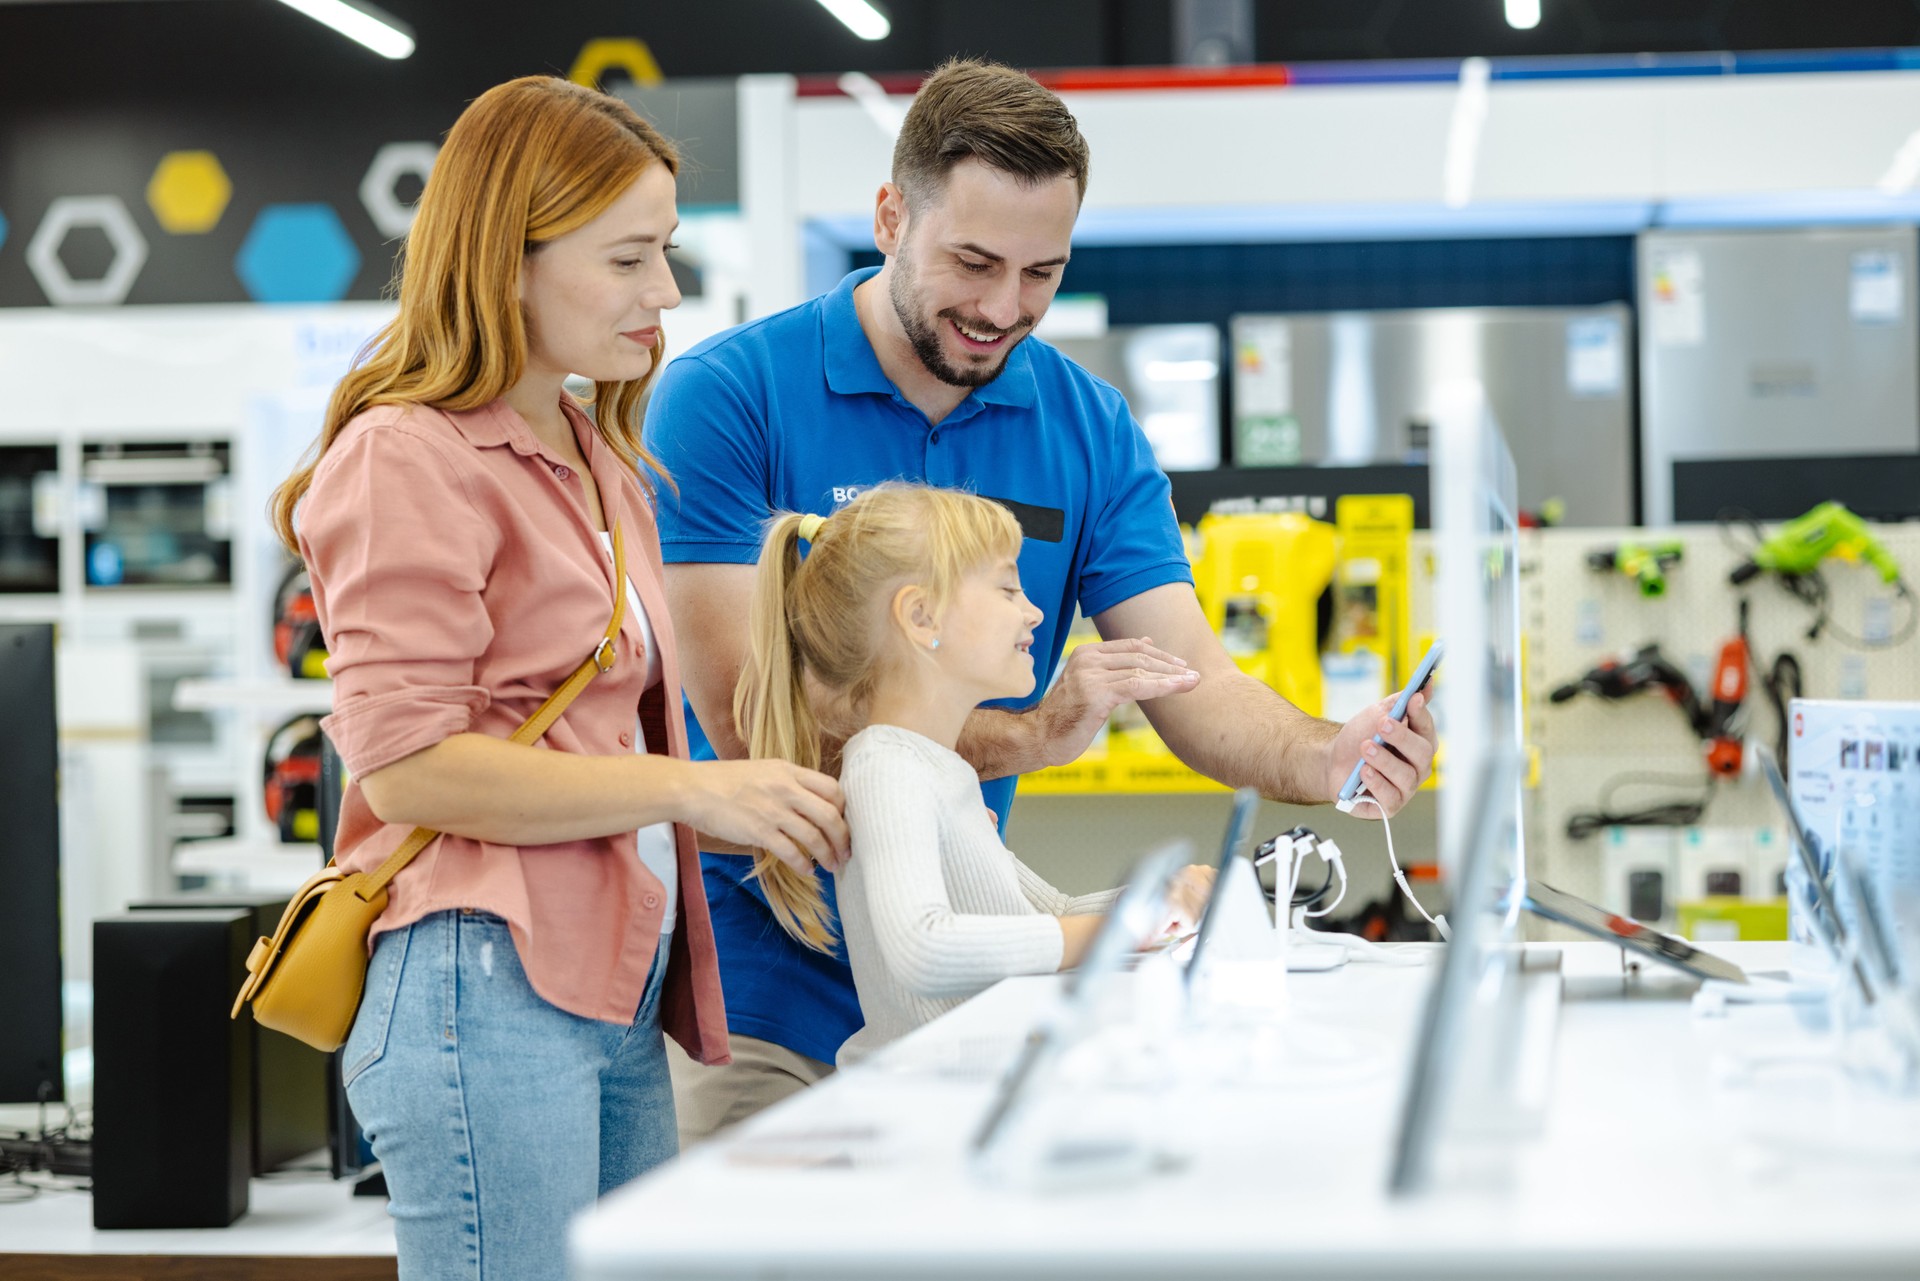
[[925, 337]]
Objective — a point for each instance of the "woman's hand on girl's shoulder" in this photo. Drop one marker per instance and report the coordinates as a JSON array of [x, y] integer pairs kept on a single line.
[[795, 814]]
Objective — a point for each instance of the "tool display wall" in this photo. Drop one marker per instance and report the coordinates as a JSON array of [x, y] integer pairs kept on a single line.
[[1600, 755], [1714, 870]]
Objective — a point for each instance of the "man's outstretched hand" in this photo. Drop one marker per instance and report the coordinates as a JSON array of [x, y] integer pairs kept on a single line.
[[1100, 676]]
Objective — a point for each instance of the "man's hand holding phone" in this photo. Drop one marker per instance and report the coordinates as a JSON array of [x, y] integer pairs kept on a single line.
[[1387, 750]]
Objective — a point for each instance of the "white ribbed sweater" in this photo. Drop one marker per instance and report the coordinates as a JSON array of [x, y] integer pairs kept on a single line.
[[933, 907]]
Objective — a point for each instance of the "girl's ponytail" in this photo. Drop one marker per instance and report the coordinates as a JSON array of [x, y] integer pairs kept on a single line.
[[775, 720], [822, 627]]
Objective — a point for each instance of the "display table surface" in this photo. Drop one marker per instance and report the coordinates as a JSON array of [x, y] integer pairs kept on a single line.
[[289, 1219], [1663, 1151]]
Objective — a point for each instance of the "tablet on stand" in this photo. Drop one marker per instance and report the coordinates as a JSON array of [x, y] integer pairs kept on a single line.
[[1034, 1134]]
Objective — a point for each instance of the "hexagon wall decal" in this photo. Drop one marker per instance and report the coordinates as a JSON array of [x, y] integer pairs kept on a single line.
[[108, 215], [188, 192], [597, 57], [391, 163], [298, 253]]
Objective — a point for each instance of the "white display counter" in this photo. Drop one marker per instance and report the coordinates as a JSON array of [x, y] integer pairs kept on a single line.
[[295, 1225], [1674, 1145]]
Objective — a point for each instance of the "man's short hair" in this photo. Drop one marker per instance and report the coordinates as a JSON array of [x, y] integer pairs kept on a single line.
[[969, 110]]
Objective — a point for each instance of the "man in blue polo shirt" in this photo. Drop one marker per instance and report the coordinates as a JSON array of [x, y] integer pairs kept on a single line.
[[923, 369]]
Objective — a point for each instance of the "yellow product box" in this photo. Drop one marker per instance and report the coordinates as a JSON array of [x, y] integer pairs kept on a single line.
[[1724, 919]]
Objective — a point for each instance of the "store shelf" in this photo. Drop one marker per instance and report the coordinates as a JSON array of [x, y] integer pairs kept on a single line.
[[1137, 773], [1132, 773], [282, 696], [267, 866]]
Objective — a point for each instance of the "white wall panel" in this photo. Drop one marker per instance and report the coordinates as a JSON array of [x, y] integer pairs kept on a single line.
[[1570, 140], [841, 156], [1742, 134], [1628, 139], [140, 372], [1266, 146]]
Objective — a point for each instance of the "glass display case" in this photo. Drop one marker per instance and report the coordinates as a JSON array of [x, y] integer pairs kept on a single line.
[[157, 514], [29, 518]]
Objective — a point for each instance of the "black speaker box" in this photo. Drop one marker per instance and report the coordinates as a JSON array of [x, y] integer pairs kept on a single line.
[[172, 1074], [30, 1017], [289, 1077]]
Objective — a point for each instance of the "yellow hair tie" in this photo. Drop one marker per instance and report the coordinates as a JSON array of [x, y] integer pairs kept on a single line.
[[810, 527]]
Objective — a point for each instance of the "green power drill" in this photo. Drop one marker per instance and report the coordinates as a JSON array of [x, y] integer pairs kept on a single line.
[[1645, 563], [1798, 546]]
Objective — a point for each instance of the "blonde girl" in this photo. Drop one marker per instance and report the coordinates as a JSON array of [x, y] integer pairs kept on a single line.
[[904, 616], [459, 521]]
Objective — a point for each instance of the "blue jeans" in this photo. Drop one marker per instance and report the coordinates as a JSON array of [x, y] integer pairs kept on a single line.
[[496, 1116]]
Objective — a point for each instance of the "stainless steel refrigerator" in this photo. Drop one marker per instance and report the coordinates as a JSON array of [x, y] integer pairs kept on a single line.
[[1359, 387], [1170, 376], [1774, 344]]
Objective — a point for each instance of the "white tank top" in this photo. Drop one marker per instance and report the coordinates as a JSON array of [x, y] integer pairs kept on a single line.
[[656, 844]]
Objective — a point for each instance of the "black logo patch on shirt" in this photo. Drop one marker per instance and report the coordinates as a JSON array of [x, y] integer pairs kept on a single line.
[[1046, 524]]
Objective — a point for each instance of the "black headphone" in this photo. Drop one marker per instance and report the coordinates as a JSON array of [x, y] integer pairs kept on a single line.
[[292, 778], [298, 645]]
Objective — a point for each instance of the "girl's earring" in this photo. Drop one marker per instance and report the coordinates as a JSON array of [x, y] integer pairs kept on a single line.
[[934, 643]]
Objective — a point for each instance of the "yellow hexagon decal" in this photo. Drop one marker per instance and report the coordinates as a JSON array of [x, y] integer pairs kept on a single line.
[[188, 192], [597, 57]]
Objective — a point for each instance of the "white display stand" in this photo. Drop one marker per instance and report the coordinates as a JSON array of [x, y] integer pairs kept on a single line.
[[1656, 1158], [1248, 954], [1244, 963]]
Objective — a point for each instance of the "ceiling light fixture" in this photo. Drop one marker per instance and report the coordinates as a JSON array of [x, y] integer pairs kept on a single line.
[[1182, 371], [1463, 133], [872, 97], [859, 17], [1523, 15], [375, 28], [1900, 175]]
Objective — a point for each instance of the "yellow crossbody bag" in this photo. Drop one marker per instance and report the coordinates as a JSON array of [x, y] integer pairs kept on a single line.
[[307, 978]]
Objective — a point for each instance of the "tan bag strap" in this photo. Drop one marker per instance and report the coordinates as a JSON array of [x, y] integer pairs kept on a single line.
[[597, 663]]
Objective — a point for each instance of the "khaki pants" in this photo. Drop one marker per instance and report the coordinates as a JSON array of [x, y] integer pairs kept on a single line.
[[709, 1099]]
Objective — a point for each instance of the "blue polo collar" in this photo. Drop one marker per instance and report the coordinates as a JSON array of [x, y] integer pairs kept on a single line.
[[853, 369]]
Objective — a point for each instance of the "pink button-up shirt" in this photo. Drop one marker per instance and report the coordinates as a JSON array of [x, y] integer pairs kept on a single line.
[[459, 579]]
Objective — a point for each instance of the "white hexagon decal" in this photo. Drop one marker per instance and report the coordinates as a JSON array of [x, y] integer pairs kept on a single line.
[[390, 164], [111, 217]]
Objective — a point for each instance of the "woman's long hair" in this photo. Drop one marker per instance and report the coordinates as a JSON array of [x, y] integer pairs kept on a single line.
[[527, 162], [825, 621]]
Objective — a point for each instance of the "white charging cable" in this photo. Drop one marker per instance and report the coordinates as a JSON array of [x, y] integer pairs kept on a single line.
[[1294, 847], [1399, 877], [1330, 854]]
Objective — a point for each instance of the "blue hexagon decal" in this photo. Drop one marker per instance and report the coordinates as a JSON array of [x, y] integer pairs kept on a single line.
[[3, 229], [298, 253]]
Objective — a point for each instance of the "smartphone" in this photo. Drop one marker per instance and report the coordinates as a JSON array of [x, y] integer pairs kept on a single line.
[[1422, 677]]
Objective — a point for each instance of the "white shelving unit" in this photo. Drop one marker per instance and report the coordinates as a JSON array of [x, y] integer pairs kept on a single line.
[[255, 858], [256, 379], [267, 696], [266, 867]]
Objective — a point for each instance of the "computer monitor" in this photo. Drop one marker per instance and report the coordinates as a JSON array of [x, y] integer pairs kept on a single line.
[[30, 972], [1468, 1072], [1476, 547], [1446, 1020]]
